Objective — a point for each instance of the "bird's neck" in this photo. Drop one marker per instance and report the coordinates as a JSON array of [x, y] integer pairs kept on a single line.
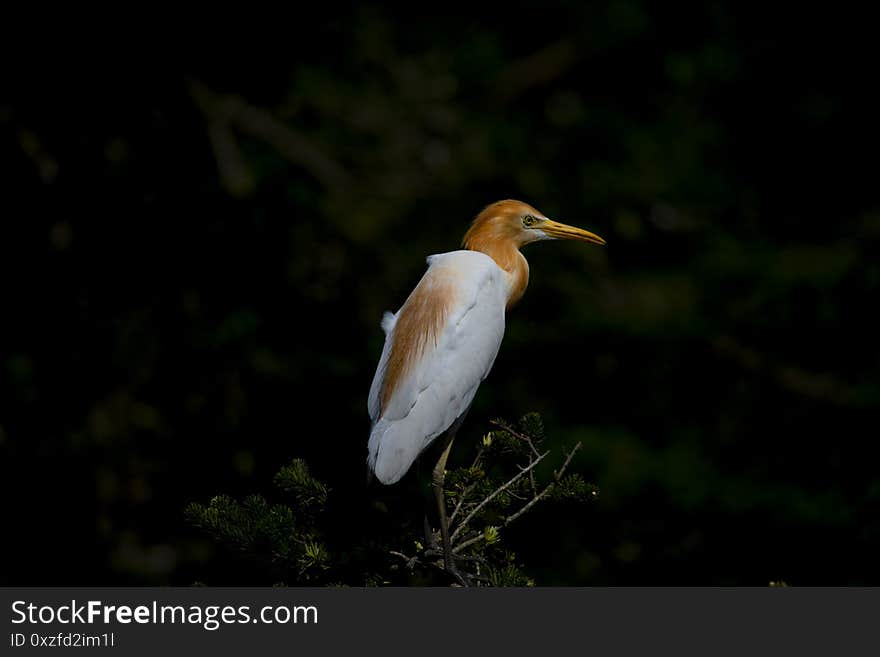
[[512, 262], [518, 279]]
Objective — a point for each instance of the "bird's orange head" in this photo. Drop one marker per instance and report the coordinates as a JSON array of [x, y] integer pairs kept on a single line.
[[510, 223]]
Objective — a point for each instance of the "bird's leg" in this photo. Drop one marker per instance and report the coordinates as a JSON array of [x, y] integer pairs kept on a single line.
[[437, 481], [430, 541]]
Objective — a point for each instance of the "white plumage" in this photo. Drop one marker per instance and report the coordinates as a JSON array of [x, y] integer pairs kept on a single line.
[[442, 380], [443, 341]]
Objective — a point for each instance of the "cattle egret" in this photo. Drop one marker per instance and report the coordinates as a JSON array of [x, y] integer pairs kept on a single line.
[[442, 342]]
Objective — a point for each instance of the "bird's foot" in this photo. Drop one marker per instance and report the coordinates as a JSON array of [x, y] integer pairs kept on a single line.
[[459, 577], [449, 564]]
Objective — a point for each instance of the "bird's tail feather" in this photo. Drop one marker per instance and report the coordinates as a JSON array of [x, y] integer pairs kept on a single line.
[[391, 451]]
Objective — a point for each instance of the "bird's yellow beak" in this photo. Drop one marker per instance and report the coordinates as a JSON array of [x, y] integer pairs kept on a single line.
[[563, 232]]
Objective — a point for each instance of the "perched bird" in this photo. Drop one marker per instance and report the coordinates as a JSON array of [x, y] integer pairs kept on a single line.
[[443, 341]]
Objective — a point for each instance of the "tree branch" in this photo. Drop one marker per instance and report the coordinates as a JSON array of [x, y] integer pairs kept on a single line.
[[557, 476], [501, 424], [495, 493], [464, 493]]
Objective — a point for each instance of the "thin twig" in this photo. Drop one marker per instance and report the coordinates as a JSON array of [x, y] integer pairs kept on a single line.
[[494, 494], [410, 561], [438, 553], [464, 494], [464, 544], [557, 475], [478, 456], [467, 490], [501, 424]]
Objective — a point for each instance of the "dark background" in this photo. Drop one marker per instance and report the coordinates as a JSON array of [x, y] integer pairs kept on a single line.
[[197, 248]]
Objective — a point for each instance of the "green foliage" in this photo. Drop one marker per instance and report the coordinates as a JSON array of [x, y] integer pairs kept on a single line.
[[295, 479], [501, 485], [248, 524], [284, 535], [507, 573], [497, 488], [532, 425], [573, 487]]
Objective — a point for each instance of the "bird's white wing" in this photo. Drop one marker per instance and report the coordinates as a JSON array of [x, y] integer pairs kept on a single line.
[[438, 348]]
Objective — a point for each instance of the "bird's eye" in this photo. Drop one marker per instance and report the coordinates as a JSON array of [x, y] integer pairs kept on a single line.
[[529, 220]]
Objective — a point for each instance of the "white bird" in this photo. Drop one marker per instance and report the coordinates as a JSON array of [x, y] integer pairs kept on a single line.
[[442, 342]]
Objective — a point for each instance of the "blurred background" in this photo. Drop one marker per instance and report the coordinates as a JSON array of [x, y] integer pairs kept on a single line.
[[197, 250]]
